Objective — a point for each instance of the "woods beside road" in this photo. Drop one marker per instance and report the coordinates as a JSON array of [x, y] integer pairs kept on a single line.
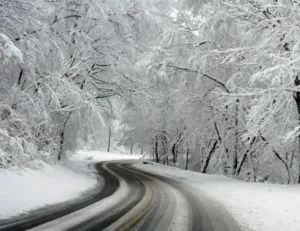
[[211, 87]]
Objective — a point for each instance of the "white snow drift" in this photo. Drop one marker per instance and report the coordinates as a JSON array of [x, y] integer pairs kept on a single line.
[[26, 189]]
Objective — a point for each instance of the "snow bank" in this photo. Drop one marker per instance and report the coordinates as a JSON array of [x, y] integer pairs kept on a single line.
[[256, 206], [27, 189], [96, 156]]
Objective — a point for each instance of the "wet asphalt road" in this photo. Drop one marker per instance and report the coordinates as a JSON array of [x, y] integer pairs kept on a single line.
[[152, 202]]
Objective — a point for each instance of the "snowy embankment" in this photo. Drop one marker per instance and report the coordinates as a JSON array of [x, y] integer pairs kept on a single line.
[[255, 206], [27, 189]]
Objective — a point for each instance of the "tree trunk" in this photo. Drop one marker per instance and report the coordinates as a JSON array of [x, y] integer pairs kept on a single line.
[[187, 158], [206, 163], [285, 165], [236, 139], [153, 149], [254, 164], [109, 138], [165, 151], [225, 168], [142, 148], [297, 99], [61, 145], [291, 160], [156, 150], [174, 152], [62, 137], [242, 161], [131, 147]]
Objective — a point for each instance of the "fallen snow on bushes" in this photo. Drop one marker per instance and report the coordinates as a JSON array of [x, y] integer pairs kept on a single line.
[[255, 206]]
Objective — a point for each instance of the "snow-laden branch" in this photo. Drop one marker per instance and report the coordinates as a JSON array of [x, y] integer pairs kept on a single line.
[[204, 74]]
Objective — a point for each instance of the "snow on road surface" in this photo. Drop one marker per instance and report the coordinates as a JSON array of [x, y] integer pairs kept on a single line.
[[86, 213], [255, 206], [79, 216], [26, 189]]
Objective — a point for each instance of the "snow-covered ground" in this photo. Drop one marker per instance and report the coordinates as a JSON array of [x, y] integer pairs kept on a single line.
[[255, 206], [25, 189], [96, 156]]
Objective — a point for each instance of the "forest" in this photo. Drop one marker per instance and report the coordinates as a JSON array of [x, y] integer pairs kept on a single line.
[[211, 86]]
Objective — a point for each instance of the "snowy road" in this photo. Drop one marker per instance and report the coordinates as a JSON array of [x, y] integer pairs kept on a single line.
[[130, 199]]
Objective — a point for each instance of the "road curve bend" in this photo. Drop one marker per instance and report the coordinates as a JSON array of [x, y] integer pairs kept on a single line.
[[131, 199], [50, 213]]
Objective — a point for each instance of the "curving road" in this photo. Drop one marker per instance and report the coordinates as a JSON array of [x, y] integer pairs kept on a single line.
[[130, 199]]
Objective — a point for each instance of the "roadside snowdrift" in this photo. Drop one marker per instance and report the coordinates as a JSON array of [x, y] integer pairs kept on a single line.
[[26, 189]]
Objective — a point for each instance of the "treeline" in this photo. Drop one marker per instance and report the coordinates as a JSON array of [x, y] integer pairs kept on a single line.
[[210, 86], [62, 63], [223, 89]]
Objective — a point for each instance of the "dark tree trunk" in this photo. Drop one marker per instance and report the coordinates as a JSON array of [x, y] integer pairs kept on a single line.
[[156, 150], [131, 148], [187, 158], [153, 150], [109, 138], [297, 99], [236, 139], [225, 169], [242, 161], [206, 163], [174, 152], [285, 165], [142, 148], [61, 144]]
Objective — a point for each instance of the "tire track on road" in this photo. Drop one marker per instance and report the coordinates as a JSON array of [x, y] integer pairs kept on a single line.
[[49, 213]]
